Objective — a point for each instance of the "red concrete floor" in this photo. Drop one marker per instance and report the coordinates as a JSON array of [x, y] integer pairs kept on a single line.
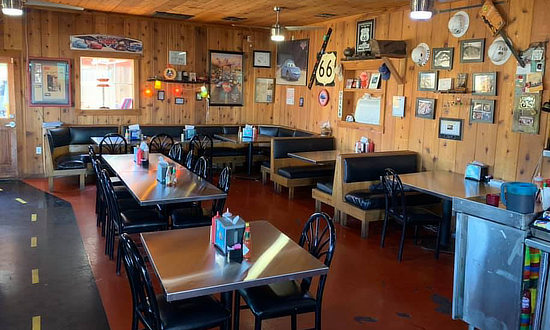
[[366, 286]]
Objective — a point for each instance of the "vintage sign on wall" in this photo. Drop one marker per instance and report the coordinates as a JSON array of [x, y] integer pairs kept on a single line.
[[326, 72], [106, 43]]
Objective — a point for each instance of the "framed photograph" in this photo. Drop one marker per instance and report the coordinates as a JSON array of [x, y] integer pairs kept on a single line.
[[226, 78], [484, 83], [176, 57], [50, 82], [442, 58], [472, 50], [427, 81], [450, 128], [264, 90], [161, 95], [374, 81], [482, 111], [262, 59], [349, 83], [445, 84], [461, 81], [365, 32], [292, 57], [179, 100], [425, 108]]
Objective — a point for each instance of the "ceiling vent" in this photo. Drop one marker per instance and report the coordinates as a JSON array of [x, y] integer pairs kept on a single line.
[[164, 14], [325, 15], [234, 19]]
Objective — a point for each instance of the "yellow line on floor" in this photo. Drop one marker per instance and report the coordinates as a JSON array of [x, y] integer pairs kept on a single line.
[[34, 241], [21, 200], [35, 276], [36, 323], [33, 217]]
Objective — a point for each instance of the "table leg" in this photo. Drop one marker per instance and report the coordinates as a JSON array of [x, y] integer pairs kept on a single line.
[[249, 159], [446, 223], [227, 302]]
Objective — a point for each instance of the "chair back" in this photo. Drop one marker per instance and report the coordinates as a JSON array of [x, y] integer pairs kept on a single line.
[[112, 204], [91, 152], [319, 239], [189, 161], [201, 167], [161, 143], [203, 145], [176, 153], [144, 300], [394, 194], [224, 182], [113, 143]]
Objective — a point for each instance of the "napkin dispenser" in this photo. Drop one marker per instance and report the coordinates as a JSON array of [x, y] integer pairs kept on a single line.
[[135, 134], [476, 171], [229, 231], [248, 132], [189, 133]]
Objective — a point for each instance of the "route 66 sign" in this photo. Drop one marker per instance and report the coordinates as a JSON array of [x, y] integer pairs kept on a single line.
[[327, 69]]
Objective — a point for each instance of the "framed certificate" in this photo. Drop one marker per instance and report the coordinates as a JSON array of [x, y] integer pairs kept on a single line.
[[262, 59]]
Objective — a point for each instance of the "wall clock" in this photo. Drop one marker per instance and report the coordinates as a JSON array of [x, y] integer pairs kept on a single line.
[[170, 73], [323, 97]]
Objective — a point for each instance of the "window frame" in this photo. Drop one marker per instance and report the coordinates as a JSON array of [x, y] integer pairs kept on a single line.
[[110, 112]]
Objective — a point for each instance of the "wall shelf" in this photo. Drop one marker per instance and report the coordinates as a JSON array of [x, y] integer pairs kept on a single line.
[[178, 81], [364, 90]]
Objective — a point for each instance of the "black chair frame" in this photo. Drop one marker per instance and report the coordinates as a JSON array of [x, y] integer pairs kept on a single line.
[[113, 143], [161, 143]]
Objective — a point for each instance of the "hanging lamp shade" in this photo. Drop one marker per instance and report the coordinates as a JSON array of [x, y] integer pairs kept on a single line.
[[421, 9], [277, 33], [12, 7]]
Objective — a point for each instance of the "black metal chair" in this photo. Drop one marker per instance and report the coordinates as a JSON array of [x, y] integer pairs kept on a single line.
[[189, 160], [130, 220], [293, 297], [161, 143], [176, 153], [203, 146], [196, 216], [154, 312], [201, 167], [396, 208], [113, 143]]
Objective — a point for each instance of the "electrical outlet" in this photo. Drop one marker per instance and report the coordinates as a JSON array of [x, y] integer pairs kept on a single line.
[[39, 150]]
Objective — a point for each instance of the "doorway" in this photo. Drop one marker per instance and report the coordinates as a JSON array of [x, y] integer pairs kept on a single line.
[[8, 136]]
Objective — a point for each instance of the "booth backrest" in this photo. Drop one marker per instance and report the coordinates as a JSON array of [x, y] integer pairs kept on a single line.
[[282, 146], [277, 131], [73, 135], [372, 166]]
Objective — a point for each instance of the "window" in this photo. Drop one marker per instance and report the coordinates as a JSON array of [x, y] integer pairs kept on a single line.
[[4, 91], [107, 83]]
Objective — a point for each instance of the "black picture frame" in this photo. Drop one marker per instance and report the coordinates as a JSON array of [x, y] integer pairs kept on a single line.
[[258, 61], [46, 74], [179, 100], [447, 128], [226, 70], [364, 33], [482, 111], [478, 86], [425, 108], [422, 76], [161, 95], [440, 55], [472, 50]]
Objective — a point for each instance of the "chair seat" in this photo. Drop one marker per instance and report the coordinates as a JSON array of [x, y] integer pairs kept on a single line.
[[142, 219], [71, 161], [189, 218], [418, 216], [121, 191], [298, 172], [325, 187], [366, 200], [278, 299], [195, 313]]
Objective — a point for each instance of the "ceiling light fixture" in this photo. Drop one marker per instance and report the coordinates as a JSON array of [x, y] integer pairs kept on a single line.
[[12, 7], [421, 9], [277, 29]]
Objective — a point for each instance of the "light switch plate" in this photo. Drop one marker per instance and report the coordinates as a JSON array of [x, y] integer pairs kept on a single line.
[[39, 150]]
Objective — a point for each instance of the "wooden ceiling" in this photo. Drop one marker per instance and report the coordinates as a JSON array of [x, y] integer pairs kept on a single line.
[[256, 12]]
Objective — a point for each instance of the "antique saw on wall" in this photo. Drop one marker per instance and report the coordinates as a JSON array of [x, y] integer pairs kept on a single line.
[[495, 22]]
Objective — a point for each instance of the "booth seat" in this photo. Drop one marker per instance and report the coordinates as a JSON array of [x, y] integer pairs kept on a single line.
[[290, 172], [66, 151]]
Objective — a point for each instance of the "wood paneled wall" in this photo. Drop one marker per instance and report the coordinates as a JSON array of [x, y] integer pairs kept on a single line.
[[46, 34], [510, 155]]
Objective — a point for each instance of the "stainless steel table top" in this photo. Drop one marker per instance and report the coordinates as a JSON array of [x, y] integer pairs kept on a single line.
[[189, 266], [316, 157], [446, 184], [235, 138], [143, 185]]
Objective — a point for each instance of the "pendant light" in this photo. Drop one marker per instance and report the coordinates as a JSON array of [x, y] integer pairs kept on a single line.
[[421, 9], [12, 7], [277, 30]]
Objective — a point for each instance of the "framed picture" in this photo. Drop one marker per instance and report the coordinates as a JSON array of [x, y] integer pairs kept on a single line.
[[365, 32], [264, 90], [482, 111], [262, 59], [50, 82], [445, 84], [442, 58], [179, 100], [427, 80], [484, 83], [461, 81], [161, 95], [472, 50], [425, 108], [226, 78], [450, 128], [292, 57], [374, 81]]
